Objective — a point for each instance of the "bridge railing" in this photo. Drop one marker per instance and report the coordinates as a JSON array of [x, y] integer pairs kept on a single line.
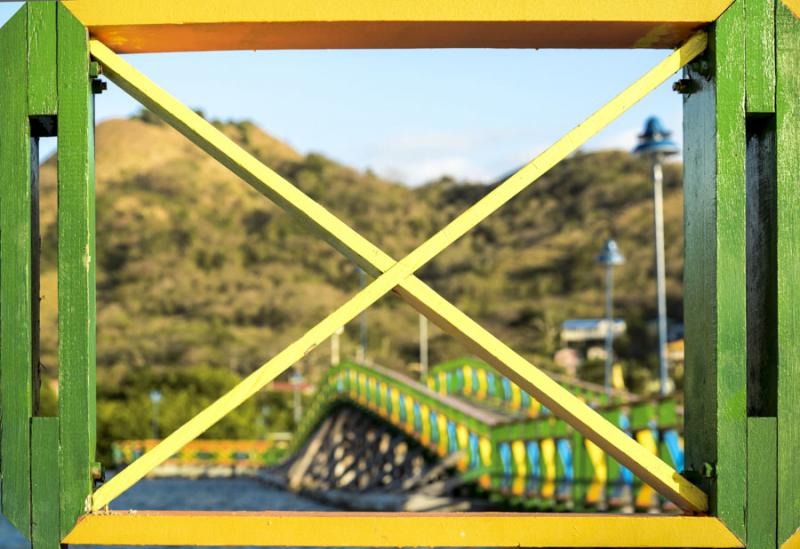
[[534, 462], [547, 465], [203, 452], [474, 379]]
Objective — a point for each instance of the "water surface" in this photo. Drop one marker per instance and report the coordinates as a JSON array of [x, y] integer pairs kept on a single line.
[[229, 494]]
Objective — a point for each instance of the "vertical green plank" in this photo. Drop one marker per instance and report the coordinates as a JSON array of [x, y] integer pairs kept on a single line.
[[76, 268], [16, 360], [761, 473], [760, 56], [582, 471], [788, 177], [714, 273], [44, 482], [42, 57]]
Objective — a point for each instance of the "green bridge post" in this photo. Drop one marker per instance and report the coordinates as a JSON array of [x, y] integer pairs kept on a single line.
[[742, 230], [45, 91], [787, 123]]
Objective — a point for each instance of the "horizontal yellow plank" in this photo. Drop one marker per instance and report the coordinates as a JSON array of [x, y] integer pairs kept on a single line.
[[129, 26], [272, 529], [565, 405]]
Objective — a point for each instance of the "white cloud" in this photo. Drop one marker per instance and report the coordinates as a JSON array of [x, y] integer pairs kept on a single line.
[[421, 156]]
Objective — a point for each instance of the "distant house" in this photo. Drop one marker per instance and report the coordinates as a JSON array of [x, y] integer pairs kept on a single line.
[[590, 330], [584, 339]]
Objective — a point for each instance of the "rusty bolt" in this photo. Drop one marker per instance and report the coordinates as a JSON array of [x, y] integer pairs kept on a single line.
[[685, 86]]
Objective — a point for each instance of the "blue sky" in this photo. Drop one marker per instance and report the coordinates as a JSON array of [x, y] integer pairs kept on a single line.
[[410, 115]]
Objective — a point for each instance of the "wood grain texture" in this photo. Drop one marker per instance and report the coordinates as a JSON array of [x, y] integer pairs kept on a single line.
[[714, 273], [788, 173], [45, 483], [42, 58], [76, 268], [400, 529], [760, 56], [134, 26], [16, 360], [762, 461]]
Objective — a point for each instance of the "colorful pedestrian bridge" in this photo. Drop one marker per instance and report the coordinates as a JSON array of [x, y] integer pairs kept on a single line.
[[507, 444]]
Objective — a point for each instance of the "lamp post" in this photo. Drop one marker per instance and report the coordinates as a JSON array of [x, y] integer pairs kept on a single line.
[[155, 400], [423, 346], [655, 144], [610, 256], [296, 380], [335, 355], [361, 354]]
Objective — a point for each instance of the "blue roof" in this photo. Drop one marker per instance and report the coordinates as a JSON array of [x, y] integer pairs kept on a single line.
[[586, 323]]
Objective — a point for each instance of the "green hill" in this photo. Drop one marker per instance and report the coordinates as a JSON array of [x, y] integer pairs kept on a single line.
[[196, 269]]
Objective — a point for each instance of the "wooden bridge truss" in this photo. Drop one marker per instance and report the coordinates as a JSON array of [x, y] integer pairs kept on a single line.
[[742, 165]]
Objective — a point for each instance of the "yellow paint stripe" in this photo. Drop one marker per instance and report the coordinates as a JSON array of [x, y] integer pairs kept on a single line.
[[399, 530], [651, 469]]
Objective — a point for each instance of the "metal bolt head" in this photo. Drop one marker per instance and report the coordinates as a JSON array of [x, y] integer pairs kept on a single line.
[[685, 86], [98, 86]]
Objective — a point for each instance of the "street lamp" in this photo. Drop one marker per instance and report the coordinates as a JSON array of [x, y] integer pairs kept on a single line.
[[610, 256], [335, 355], [655, 144], [423, 346], [361, 354], [155, 400], [296, 381]]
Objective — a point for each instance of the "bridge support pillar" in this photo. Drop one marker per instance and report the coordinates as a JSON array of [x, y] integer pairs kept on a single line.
[[46, 91], [787, 135], [742, 230]]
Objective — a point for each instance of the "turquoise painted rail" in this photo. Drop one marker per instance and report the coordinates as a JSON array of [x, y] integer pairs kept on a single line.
[[514, 450]]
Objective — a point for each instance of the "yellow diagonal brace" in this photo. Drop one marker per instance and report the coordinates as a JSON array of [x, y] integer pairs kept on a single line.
[[562, 402]]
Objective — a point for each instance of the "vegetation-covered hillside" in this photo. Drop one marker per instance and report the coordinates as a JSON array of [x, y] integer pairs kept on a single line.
[[196, 269]]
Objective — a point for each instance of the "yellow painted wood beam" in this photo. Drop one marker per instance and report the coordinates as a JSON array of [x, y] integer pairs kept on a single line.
[[793, 542], [271, 528], [132, 26], [399, 276], [794, 6]]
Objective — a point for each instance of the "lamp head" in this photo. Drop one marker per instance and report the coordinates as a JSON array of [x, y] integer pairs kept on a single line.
[[654, 140], [610, 254]]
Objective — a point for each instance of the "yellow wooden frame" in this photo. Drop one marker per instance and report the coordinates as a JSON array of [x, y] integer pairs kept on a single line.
[[393, 275], [129, 26], [304, 529]]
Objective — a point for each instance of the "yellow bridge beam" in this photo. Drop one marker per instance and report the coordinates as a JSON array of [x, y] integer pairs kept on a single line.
[[313, 529], [400, 275], [130, 26]]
